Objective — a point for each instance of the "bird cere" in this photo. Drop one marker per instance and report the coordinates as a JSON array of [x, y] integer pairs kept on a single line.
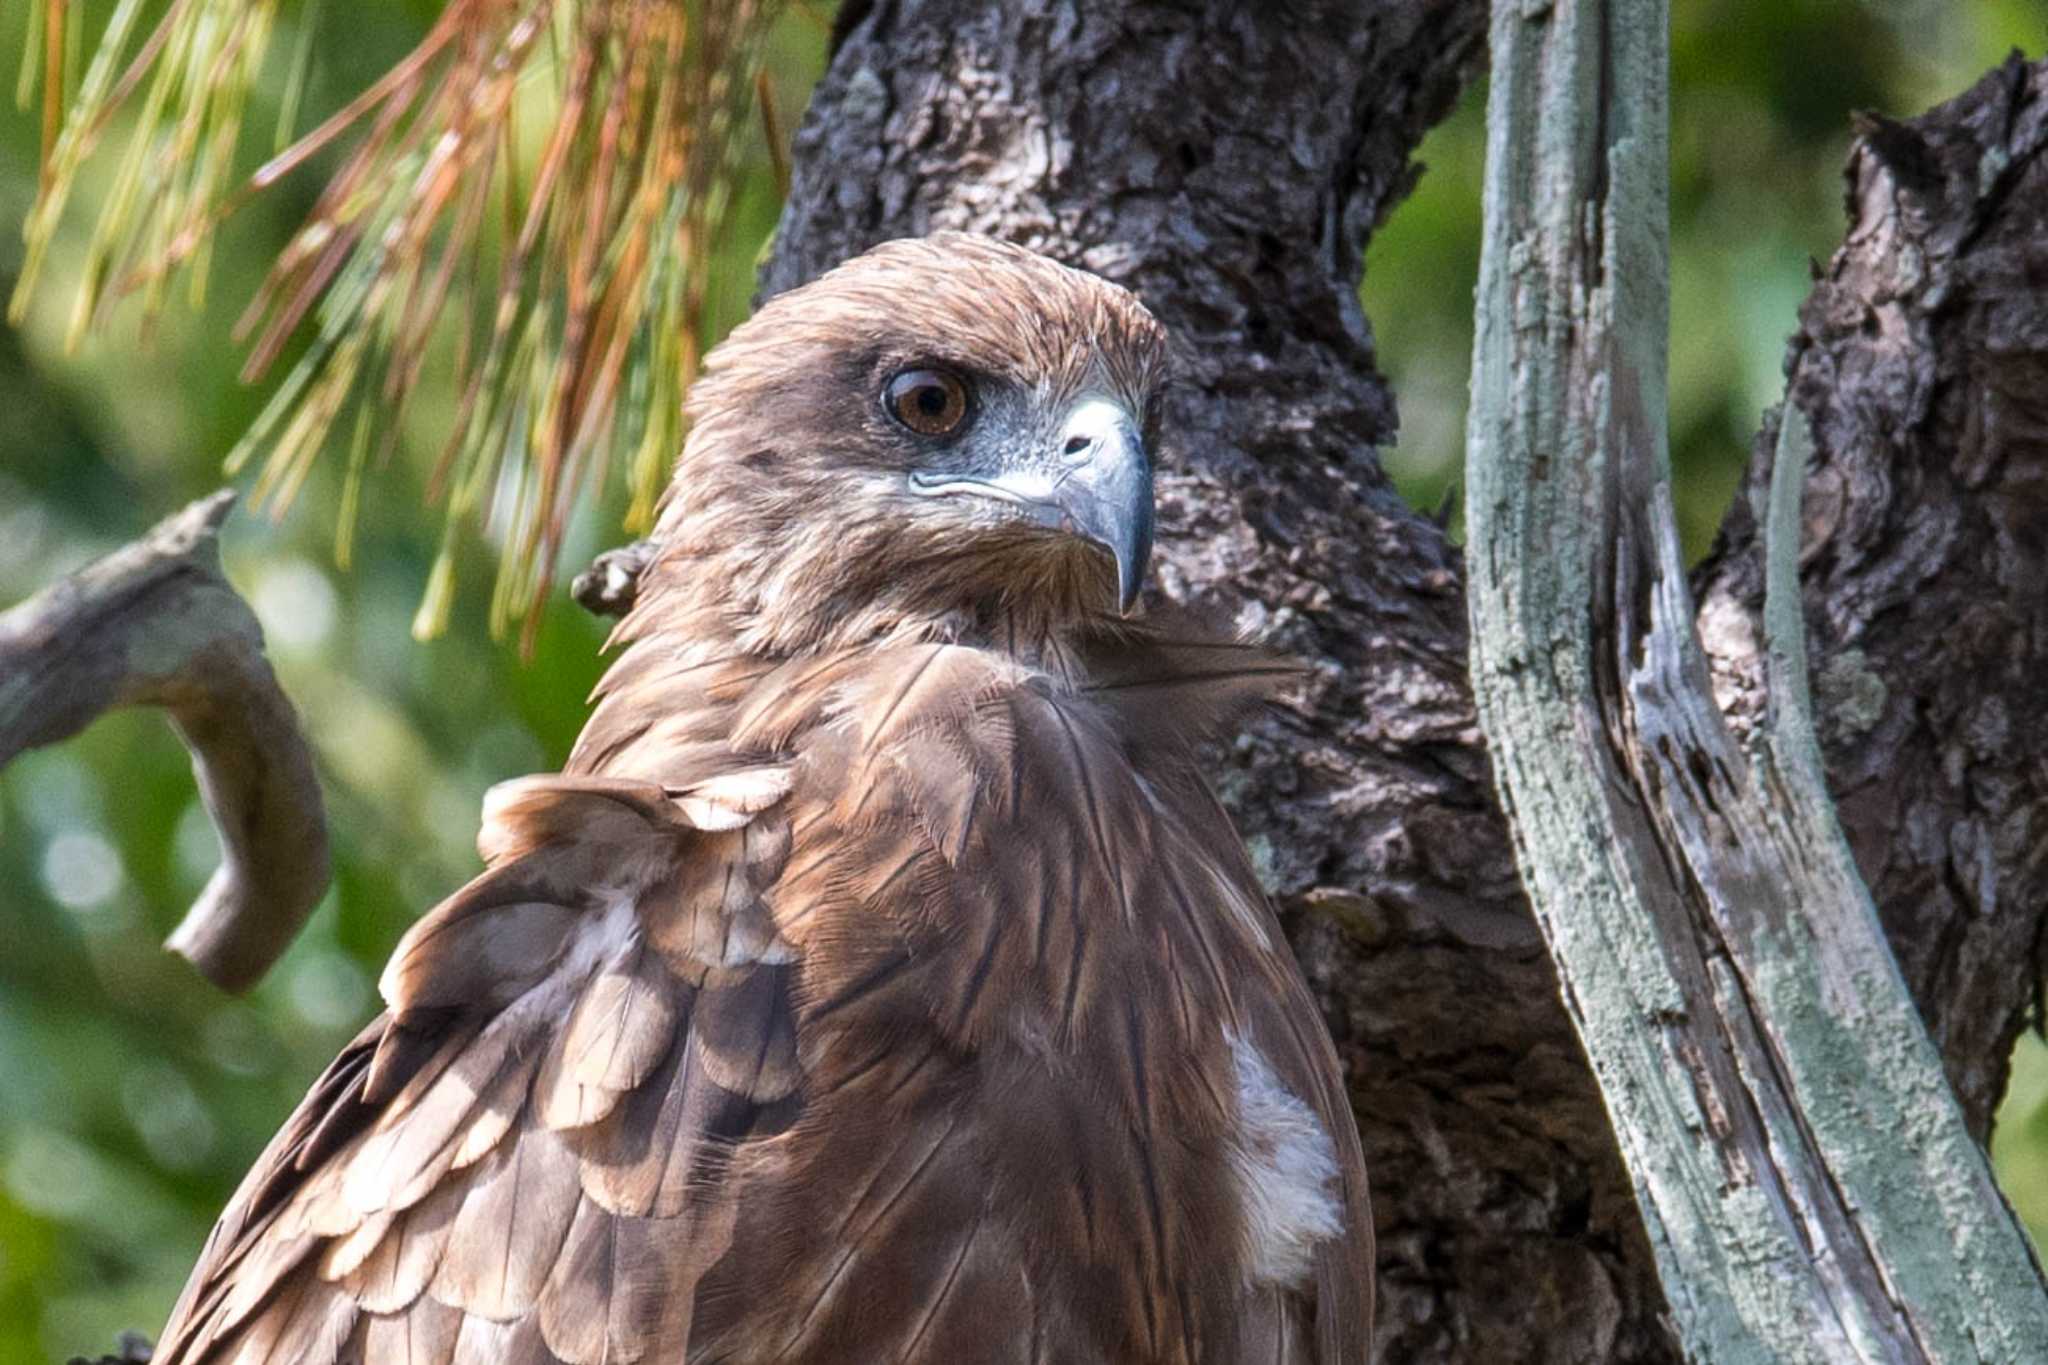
[[879, 979]]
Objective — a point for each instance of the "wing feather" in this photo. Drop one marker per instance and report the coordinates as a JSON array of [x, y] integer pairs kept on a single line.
[[395, 1273], [582, 1298], [546, 1111], [344, 1255], [425, 1336], [618, 1032], [413, 1145], [307, 1320], [503, 1241]]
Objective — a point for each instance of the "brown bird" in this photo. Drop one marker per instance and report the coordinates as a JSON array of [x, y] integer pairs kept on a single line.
[[879, 981]]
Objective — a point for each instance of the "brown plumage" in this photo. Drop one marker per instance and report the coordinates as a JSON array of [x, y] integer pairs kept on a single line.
[[879, 981]]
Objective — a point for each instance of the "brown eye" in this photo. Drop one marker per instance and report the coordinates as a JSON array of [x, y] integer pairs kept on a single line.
[[929, 402]]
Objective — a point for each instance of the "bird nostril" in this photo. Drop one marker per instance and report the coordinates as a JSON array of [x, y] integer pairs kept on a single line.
[[1077, 444]]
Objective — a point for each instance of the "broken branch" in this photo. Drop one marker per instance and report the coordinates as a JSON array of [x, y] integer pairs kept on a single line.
[[156, 624]]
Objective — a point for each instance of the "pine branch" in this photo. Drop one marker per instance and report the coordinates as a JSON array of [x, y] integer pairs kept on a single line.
[[564, 286]]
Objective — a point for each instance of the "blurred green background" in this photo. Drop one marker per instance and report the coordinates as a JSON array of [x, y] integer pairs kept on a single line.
[[132, 1096]]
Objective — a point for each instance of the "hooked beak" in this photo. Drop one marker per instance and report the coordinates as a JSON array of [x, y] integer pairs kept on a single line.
[[1099, 486], [1106, 491]]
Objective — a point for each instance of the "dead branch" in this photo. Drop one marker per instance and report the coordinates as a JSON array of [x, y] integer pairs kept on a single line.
[[156, 624]]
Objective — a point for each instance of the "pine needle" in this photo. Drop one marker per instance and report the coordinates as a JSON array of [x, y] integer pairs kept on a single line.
[[574, 318]]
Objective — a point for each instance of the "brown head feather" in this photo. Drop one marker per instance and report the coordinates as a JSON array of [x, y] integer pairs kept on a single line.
[[790, 523]]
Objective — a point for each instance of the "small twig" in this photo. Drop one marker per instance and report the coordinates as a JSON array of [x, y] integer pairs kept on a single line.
[[611, 583], [156, 624]]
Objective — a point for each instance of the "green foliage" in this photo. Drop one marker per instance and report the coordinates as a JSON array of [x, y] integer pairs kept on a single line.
[[131, 1095], [527, 203]]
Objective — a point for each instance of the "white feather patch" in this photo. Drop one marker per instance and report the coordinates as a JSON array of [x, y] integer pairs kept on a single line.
[[731, 800], [1286, 1168]]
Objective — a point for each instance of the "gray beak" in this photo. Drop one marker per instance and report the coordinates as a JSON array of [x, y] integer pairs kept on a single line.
[[1097, 482], [1105, 489]]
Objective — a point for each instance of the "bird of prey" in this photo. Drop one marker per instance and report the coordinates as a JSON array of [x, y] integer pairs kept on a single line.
[[879, 981]]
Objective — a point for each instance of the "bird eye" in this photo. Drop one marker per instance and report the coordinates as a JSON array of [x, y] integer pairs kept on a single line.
[[929, 402]]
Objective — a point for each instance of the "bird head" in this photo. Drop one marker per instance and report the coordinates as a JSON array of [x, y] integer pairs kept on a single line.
[[943, 425]]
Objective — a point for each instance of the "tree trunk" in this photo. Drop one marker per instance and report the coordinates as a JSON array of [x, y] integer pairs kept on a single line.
[[1919, 364], [1809, 1186], [1226, 161]]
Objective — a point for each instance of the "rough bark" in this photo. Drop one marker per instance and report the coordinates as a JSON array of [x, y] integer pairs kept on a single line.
[[1755, 1041], [1226, 161], [156, 624], [1919, 364]]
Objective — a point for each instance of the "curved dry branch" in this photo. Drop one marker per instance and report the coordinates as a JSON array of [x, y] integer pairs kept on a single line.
[[156, 624], [1918, 368]]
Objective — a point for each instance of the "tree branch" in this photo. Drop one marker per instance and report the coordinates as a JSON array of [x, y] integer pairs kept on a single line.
[[1718, 949], [611, 584], [156, 624], [133, 1349]]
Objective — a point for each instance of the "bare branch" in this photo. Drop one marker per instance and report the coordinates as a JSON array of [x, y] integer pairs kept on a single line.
[[1809, 1184], [156, 624]]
